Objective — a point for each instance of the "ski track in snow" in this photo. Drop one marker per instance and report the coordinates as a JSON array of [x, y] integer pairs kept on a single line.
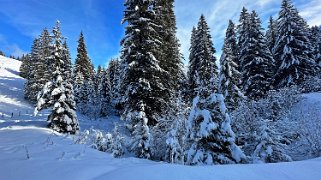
[[28, 150]]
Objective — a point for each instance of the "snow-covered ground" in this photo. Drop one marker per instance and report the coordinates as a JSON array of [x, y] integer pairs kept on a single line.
[[28, 150]]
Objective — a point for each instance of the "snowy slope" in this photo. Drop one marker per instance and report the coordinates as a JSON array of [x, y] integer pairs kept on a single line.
[[28, 150], [11, 87], [12, 97]]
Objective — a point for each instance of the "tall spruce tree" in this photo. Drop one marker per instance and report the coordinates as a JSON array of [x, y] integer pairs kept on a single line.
[[315, 39], [145, 92], [84, 69], [169, 57], [32, 85], [203, 71], [98, 76], [83, 63], [104, 93], [271, 33], [113, 78], [242, 35], [66, 67], [58, 93], [47, 48], [292, 48], [191, 74], [41, 65], [209, 130], [257, 60], [230, 77]]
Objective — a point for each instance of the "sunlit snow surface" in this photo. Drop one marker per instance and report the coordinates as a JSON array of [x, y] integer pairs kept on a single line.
[[28, 150]]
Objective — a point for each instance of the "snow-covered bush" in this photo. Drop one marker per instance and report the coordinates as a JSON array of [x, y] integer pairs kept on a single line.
[[278, 103], [96, 139], [105, 142], [174, 141], [118, 148], [260, 126], [269, 148], [309, 129]]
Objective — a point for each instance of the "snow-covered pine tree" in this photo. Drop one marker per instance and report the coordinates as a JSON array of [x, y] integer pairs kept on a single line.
[[192, 65], [242, 35], [78, 83], [292, 49], [47, 49], [209, 130], [36, 69], [40, 70], [104, 93], [315, 39], [170, 60], [229, 76], [174, 151], [97, 91], [87, 99], [169, 56], [146, 95], [113, 78], [257, 61], [25, 66], [209, 133], [66, 68], [93, 107], [59, 94], [271, 33], [176, 133], [98, 77], [83, 63], [203, 71], [83, 68], [40, 75]]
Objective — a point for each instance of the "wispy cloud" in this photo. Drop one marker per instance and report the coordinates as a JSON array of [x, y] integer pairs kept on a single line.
[[311, 12], [16, 50], [13, 48]]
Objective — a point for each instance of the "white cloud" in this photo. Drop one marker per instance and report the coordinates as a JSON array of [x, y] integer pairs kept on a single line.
[[311, 12]]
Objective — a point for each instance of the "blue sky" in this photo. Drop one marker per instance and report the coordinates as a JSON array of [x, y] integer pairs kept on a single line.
[[22, 20]]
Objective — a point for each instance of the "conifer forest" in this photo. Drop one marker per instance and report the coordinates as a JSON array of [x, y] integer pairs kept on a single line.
[[240, 104]]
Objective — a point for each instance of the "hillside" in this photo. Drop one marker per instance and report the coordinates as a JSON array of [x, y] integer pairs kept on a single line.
[[28, 150]]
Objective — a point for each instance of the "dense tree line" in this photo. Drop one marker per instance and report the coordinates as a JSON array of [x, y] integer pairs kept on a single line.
[[172, 115]]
